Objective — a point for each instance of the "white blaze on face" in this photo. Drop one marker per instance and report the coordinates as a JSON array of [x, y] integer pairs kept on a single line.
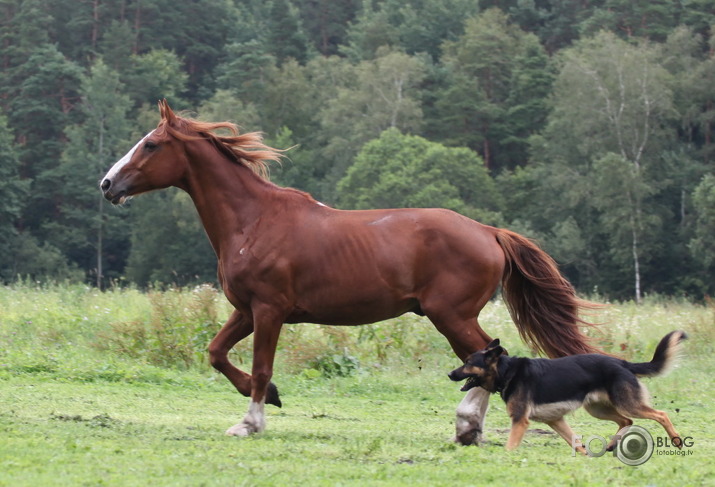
[[125, 160]]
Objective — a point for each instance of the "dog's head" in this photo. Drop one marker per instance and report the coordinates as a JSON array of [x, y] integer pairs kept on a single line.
[[480, 368]]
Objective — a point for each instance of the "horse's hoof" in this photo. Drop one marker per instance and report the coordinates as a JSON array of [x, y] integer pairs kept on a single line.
[[469, 437], [241, 429], [468, 431], [272, 395]]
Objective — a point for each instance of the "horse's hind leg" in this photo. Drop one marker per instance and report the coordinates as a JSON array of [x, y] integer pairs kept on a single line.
[[466, 337], [471, 413]]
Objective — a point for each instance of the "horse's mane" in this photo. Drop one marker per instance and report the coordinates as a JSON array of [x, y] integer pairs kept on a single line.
[[247, 149]]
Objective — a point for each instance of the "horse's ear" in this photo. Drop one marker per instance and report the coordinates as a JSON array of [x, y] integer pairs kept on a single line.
[[166, 112]]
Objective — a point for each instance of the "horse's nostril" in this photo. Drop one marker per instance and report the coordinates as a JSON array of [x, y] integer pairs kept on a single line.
[[106, 184]]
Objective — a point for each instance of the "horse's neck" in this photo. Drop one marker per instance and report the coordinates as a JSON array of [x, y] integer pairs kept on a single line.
[[230, 198]]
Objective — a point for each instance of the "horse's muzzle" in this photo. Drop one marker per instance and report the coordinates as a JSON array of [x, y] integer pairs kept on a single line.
[[110, 193]]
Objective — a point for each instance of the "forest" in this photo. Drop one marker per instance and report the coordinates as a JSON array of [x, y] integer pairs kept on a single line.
[[588, 125]]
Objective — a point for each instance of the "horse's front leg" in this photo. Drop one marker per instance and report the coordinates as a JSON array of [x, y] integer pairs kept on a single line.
[[236, 328], [267, 330]]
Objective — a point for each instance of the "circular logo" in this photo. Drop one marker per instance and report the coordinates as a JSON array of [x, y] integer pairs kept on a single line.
[[635, 445]]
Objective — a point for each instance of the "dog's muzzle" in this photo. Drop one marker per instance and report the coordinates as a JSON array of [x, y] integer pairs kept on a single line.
[[458, 375], [471, 383]]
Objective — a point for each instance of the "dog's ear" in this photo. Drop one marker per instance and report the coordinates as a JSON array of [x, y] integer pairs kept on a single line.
[[494, 344], [493, 354]]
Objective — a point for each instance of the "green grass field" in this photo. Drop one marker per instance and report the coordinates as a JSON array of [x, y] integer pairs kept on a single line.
[[114, 389]]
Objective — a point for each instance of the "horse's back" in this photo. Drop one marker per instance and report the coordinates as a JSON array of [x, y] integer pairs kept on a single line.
[[429, 237]]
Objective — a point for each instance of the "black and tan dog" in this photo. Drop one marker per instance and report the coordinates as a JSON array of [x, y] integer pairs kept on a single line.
[[545, 390]]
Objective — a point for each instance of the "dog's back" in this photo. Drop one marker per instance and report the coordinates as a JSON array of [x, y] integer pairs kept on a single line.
[[577, 377], [540, 382]]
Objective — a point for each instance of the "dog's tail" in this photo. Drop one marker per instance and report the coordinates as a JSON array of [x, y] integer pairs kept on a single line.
[[663, 358]]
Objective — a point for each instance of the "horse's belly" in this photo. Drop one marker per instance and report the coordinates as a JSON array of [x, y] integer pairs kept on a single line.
[[352, 312]]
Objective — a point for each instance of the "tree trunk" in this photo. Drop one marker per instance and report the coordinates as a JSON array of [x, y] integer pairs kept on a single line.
[[487, 151], [636, 262], [100, 242], [100, 270], [95, 23], [137, 25]]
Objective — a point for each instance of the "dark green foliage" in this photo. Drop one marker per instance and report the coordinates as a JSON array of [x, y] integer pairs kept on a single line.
[[286, 39], [13, 192], [82, 227], [334, 365], [509, 105], [326, 21], [495, 95], [403, 170], [703, 244], [417, 26], [168, 243], [651, 19]]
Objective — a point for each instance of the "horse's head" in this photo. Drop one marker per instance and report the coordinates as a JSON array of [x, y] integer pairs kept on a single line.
[[161, 158], [155, 162]]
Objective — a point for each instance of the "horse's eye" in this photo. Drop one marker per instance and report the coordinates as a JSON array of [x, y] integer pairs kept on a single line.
[[150, 146]]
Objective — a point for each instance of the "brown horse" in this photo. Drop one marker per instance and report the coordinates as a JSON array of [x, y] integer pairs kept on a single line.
[[285, 258]]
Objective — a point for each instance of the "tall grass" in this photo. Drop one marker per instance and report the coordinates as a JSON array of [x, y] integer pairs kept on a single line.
[[176, 333], [79, 333]]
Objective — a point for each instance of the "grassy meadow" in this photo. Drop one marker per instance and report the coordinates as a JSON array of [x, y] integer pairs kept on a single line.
[[114, 388]]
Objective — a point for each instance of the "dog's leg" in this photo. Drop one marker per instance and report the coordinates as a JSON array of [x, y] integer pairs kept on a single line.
[[471, 414], [565, 431], [647, 412], [518, 430], [634, 403], [604, 410]]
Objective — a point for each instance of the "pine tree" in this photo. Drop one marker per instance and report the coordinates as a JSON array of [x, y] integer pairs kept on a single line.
[[497, 83], [80, 228], [286, 38], [12, 194]]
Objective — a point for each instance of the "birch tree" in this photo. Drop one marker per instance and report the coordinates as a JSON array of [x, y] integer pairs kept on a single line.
[[613, 102]]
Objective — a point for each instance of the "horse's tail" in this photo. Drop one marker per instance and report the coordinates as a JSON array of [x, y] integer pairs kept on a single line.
[[542, 303]]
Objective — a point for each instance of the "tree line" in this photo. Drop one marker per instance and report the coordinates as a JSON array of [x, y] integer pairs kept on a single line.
[[587, 125]]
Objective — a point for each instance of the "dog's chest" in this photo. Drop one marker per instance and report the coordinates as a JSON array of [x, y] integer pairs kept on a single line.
[[552, 411]]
